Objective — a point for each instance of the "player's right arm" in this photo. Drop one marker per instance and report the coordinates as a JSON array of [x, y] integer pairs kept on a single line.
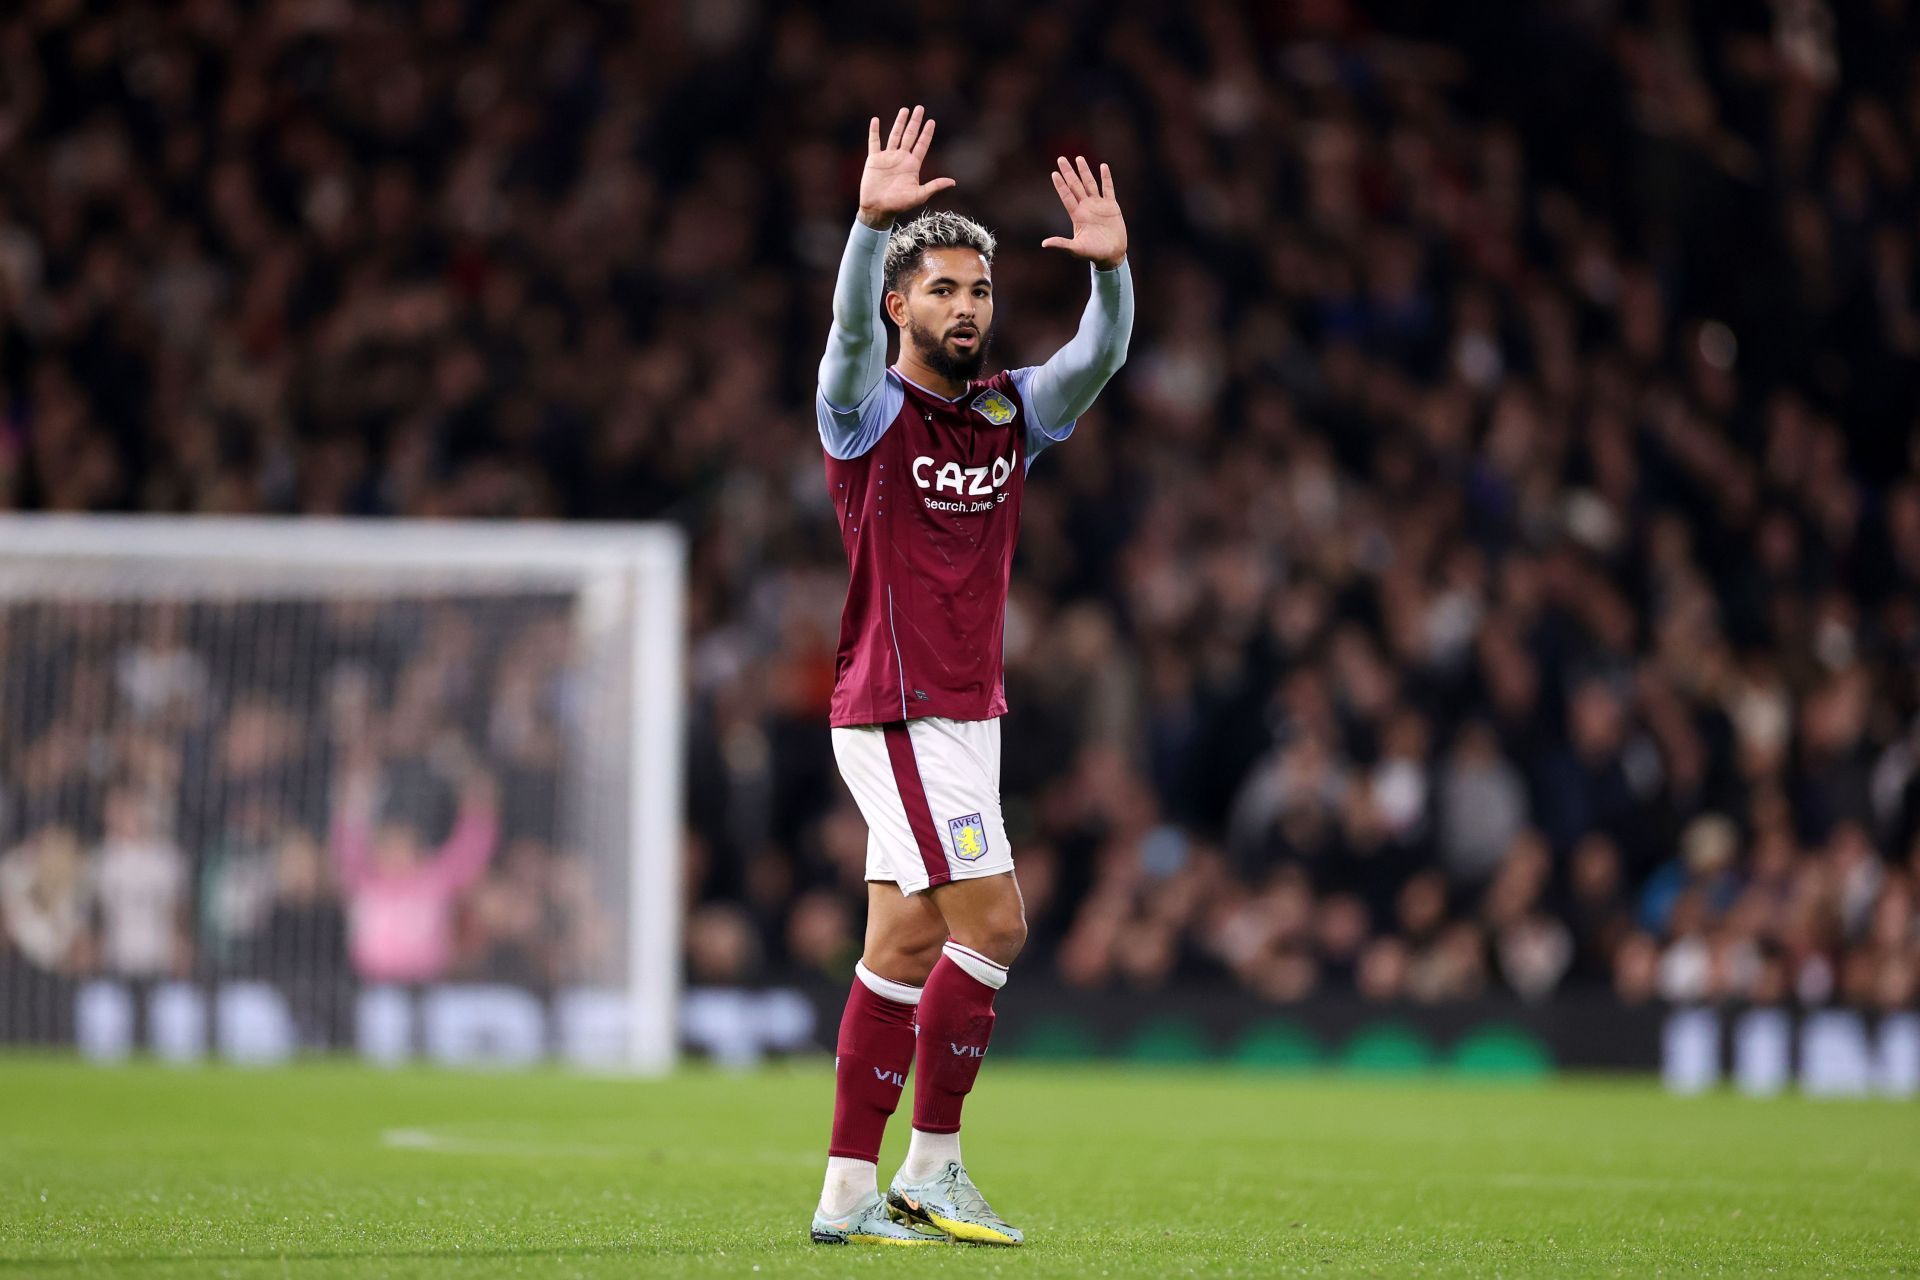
[[853, 405]]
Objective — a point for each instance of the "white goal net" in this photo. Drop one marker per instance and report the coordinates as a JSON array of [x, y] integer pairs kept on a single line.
[[400, 789]]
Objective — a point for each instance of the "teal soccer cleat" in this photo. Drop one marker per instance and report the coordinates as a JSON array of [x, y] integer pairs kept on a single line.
[[869, 1223], [950, 1202]]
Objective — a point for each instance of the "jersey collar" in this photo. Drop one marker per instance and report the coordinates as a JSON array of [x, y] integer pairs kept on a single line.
[[930, 391]]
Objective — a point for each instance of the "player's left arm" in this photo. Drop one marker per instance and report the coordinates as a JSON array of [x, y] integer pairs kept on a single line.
[[1059, 391]]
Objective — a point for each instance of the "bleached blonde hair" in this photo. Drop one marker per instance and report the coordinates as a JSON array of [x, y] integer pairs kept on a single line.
[[936, 230]]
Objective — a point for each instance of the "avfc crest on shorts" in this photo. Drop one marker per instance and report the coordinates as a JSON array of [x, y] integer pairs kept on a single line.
[[968, 834], [994, 407]]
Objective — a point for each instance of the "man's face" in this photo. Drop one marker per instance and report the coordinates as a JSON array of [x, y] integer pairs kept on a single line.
[[945, 309]]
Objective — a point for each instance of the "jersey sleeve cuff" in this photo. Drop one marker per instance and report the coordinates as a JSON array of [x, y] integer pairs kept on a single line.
[[1054, 435]]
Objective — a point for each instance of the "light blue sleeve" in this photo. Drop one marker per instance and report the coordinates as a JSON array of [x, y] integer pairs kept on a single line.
[[848, 433], [1055, 394], [856, 400], [1038, 436]]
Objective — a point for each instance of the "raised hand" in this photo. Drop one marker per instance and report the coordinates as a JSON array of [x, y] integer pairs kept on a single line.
[[891, 183], [1099, 232]]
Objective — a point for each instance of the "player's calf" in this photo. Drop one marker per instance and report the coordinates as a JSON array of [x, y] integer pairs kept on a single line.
[[955, 1018]]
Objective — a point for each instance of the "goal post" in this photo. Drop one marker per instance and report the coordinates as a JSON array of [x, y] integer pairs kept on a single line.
[[473, 730]]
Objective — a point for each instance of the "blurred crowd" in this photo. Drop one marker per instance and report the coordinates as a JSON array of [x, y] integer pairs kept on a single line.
[[313, 795], [1497, 568]]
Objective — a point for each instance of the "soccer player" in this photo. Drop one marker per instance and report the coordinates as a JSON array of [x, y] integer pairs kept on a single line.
[[925, 465]]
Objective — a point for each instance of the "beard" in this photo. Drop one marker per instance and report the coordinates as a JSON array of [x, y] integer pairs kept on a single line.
[[959, 366]]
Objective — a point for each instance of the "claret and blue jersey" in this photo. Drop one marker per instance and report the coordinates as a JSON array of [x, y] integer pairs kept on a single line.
[[927, 492]]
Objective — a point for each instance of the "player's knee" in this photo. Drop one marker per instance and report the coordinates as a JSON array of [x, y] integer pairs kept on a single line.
[[999, 936], [1010, 939], [908, 961]]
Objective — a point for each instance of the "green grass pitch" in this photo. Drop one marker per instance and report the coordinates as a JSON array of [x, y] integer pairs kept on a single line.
[[337, 1169]]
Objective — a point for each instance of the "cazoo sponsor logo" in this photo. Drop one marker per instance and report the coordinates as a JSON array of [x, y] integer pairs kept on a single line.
[[985, 485]]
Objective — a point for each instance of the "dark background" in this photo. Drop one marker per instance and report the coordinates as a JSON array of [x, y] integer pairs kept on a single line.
[[1496, 570]]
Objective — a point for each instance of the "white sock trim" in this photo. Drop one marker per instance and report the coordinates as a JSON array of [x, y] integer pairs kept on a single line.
[[928, 1153], [885, 988], [848, 1183], [976, 965]]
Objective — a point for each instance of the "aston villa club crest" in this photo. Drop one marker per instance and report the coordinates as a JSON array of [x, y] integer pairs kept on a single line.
[[968, 834], [994, 407]]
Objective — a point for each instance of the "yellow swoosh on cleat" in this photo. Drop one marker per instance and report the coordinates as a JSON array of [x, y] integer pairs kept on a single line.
[[971, 1231]]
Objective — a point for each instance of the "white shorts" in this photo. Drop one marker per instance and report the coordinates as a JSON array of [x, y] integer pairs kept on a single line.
[[930, 792]]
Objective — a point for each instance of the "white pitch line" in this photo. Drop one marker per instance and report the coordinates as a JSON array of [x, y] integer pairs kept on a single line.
[[440, 1143], [446, 1145]]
